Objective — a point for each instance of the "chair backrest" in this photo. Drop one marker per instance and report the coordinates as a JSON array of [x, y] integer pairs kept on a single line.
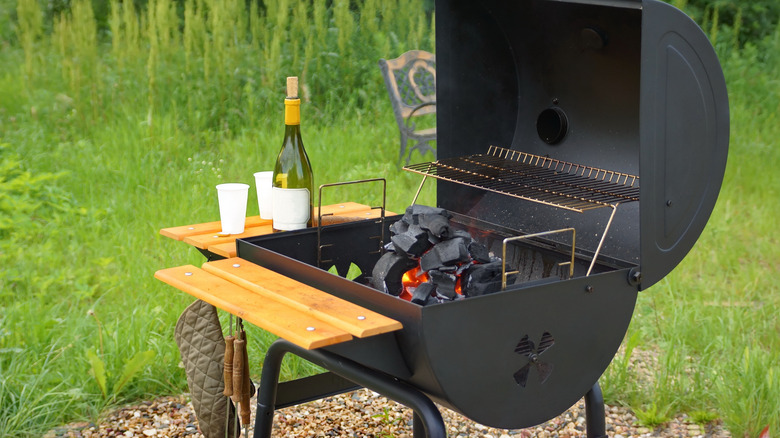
[[410, 81]]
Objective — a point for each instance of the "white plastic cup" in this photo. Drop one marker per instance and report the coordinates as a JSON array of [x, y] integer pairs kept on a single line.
[[265, 198], [232, 206]]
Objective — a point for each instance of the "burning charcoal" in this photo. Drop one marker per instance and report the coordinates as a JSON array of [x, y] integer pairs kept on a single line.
[[462, 234], [445, 284], [422, 293], [411, 245], [411, 216], [482, 279], [388, 271], [452, 252], [462, 268], [479, 252], [399, 227], [437, 224], [430, 260]]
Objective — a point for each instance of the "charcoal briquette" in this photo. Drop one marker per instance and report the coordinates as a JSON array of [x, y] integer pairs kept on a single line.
[[479, 252], [399, 227], [445, 284], [481, 279], [430, 260], [388, 272], [422, 293], [437, 224], [412, 213], [411, 245], [452, 251]]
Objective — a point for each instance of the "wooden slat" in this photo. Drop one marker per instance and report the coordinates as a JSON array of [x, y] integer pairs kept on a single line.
[[277, 318], [203, 241], [181, 232], [228, 249], [343, 314]]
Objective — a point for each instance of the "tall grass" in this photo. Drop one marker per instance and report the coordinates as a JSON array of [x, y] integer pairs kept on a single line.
[[105, 139]]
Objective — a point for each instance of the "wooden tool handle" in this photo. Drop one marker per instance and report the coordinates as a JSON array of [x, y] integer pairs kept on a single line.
[[239, 351], [228, 368], [247, 393]]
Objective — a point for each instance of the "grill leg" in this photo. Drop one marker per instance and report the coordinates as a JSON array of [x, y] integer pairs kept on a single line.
[[427, 418], [266, 394], [594, 413]]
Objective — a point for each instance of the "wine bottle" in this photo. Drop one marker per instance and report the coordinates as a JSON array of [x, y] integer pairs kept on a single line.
[[293, 181]]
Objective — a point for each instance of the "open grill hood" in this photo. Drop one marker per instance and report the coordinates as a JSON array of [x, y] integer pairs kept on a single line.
[[640, 92]]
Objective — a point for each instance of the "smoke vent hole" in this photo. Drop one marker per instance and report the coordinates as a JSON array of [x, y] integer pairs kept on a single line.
[[552, 125]]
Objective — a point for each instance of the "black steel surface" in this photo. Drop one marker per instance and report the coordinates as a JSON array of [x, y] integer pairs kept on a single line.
[[463, 354], [684, 137], [642, 92], [306, 389]]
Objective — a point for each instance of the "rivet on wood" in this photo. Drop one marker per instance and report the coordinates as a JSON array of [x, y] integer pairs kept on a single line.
[[188, 274], [310, 329], [236, 265], [361, 317]]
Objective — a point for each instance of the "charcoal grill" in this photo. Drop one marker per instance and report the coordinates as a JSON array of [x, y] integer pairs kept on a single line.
[[606, 116]]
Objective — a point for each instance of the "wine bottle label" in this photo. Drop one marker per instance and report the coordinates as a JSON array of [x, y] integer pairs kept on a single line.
[[291, 208]]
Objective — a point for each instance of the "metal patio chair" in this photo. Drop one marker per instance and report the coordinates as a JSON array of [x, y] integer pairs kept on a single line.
[[411, 84]]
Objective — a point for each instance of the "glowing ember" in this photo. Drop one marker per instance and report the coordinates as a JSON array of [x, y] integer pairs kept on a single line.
[[413, 278]]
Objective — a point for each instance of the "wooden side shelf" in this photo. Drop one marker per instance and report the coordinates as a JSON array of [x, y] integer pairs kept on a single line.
[[303, 315]]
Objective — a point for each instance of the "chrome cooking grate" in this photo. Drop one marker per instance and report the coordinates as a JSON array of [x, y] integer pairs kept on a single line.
[[535, 178]]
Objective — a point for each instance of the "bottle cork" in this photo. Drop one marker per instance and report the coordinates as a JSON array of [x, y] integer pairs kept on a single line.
[[292, 87]]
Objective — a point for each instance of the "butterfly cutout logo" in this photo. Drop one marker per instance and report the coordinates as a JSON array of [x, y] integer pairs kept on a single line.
[[527, 348]]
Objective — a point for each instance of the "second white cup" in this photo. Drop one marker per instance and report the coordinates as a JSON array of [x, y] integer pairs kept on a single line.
[[232, 206], [264, 182]]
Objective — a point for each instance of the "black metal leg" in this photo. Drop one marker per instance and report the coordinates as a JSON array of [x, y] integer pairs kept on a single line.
[[418, 429], [427, 418], [594, 413], [266, 395]]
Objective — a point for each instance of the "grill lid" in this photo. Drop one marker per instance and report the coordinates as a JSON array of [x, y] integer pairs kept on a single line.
[[684, 135], [630, 86]]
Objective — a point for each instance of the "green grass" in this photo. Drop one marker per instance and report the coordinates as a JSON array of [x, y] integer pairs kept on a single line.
[[96, 158]]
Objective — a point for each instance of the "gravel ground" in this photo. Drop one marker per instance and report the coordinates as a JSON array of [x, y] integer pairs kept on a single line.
[[365, 414]]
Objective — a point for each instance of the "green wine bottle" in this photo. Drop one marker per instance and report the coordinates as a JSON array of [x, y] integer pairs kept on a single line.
[[293, 182]]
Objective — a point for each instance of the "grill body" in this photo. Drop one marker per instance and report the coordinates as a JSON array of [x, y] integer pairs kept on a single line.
[[626, 85], [464, 354]]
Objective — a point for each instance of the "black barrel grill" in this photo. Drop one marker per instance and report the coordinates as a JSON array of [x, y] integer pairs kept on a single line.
[[606, 116]]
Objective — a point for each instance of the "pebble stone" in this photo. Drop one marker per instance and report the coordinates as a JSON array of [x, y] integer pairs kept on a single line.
[[365, 413]]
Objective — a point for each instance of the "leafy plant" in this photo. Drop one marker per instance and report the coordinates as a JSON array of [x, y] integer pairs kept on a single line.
[[110, 388], [387, 420], [653, 416], [702, 417]]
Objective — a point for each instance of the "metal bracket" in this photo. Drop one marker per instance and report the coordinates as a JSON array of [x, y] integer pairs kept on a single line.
[[505, 274], [381, 219]]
